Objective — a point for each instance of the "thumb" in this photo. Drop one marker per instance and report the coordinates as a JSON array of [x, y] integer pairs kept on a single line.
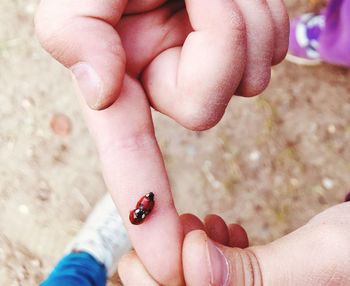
[[208, 263], [81, 35], [316, 254]]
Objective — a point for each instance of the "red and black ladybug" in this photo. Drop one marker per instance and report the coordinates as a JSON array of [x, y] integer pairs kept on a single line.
[[143, 208]]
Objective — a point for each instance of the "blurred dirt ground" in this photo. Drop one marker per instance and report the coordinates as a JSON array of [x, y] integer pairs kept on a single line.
[[272, 163]]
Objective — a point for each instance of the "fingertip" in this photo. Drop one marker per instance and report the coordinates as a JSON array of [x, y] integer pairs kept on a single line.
[[194, 236], [204, 261], [238, 236], [281, 26], [190, 223], [193, 241], [255, 82], [216, 229], [280, 54], [199, 116], [97, 92]]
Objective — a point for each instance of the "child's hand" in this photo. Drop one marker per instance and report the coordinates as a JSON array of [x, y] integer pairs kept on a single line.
[[195, 58], [315, 255], [187, 63]]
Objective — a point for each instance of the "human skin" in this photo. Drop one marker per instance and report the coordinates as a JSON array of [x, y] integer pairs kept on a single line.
[[317, 254], [186, 59]]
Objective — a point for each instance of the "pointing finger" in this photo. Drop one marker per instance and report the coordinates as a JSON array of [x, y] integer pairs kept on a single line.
[[133, 166]]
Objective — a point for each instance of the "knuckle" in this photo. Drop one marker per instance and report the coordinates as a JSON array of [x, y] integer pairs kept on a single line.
[[279, 55], [236, 21], [253, 87], [199, 117], [51, 30], [137, 142]]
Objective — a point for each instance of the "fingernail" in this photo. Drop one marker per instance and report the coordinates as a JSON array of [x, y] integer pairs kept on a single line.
[[218, 265], [89, 83]]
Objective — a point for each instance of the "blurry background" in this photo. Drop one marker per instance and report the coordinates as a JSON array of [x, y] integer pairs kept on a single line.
[[271, 164]]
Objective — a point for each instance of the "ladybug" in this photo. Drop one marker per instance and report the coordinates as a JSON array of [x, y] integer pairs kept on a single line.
[[143, 208]]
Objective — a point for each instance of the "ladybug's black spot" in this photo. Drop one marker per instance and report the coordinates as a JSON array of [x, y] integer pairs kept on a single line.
[[150, 196], [139, 214]]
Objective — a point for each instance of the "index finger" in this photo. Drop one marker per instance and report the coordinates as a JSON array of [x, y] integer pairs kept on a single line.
[[133, 166]]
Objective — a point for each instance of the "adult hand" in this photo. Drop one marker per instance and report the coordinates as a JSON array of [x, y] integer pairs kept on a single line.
[[132, 272], [315, 255], [186, 59]]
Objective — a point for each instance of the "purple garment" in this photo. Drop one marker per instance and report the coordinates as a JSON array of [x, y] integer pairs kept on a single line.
[[335, 39]]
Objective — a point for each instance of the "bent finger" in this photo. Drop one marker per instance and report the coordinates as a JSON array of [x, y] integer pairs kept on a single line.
[[80, 35], [238, 236], [281, 27], [260, 46], [216, 229], [194, 84], [190, 222]]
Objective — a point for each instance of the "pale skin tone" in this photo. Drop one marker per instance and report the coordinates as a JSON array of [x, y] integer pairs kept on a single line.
[[317, 254], [186, 59]]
